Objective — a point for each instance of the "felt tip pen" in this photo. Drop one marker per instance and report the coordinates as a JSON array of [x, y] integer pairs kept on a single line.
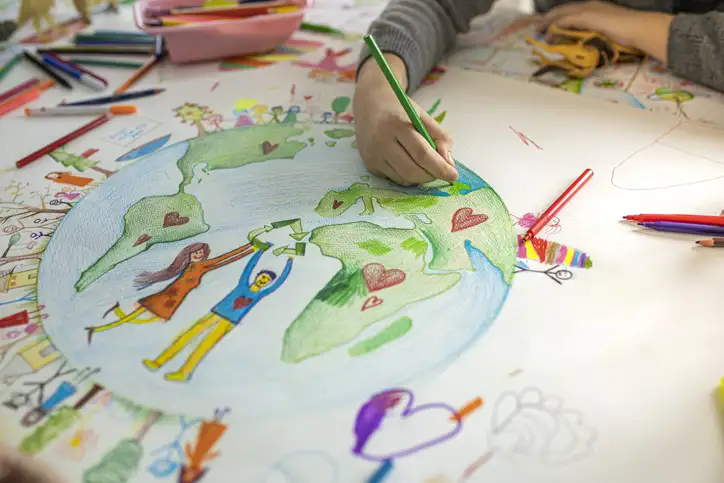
[[80, 111], [82, 77]]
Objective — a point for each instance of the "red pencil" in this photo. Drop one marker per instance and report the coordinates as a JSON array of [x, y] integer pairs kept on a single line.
[[714, 220], [557, 205], [64, 140], [18, 89]]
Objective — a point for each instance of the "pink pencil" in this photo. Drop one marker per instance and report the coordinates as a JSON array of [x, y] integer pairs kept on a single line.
[[18, 89]]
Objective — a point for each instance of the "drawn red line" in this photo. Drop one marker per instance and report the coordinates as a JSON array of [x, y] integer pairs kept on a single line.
[[476, 465], [525, 139]]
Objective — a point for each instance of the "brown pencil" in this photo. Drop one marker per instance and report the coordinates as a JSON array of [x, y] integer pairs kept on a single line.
[[711, 242]]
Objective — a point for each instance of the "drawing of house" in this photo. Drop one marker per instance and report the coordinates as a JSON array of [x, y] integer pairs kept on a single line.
[[9, 279]]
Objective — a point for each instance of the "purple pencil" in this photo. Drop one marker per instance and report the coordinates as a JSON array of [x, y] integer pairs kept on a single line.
[[690, 228], [18, 89]]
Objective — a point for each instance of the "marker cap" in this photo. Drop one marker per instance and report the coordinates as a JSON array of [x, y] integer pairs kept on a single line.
[[123, 110]]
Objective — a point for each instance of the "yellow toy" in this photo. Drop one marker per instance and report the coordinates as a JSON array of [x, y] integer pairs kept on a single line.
[[577, 53]]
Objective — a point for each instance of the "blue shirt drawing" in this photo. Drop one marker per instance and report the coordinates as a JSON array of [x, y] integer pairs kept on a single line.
[[240, 301]]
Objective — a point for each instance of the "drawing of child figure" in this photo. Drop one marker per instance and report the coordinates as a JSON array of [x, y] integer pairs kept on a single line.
[[222, 318], [189, 267]]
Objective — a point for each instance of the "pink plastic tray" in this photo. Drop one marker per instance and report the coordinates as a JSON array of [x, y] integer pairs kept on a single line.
[[220, 38]]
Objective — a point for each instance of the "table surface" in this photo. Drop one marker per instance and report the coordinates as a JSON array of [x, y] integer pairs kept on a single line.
[[652, 402]]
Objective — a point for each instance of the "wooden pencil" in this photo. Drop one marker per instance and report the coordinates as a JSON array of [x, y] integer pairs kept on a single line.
[[138, 74], [711, 242]]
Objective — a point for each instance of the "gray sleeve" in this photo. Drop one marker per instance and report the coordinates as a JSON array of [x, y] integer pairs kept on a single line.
[[421, 32], [696, 48]]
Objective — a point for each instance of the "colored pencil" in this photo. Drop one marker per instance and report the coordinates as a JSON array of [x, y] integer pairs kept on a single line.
[[102, 42], [80, 69], [694, 228], [107, 63], [712, 242], [700, 219], [138, 74], [557, 205], [18, 89], [64, 140], [122, 33], [26, 97], [90, 49], [38, 62], [93, 38], [9, 65], [322, 29], [215, 9], [81, 77], [382, 472], [397, 89], [113, 99], [80, 111]]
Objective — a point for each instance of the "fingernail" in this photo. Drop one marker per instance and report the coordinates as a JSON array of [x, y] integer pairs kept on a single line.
[[450, 159]]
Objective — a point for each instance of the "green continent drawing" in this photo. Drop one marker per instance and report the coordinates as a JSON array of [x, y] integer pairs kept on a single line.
[[369, 287], [436, 222], [171, 218]]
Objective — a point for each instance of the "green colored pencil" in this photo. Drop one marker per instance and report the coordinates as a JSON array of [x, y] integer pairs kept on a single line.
[[312, 27], [397, 89], [8, 67], [107, 63]]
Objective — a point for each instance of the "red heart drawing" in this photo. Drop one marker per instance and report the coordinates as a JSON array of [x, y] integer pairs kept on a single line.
[[306, 98], [377, 277], [336, 204], [371, 302], [267, 147], [464, 218], [143, 238], [241, 302], [174, 219]]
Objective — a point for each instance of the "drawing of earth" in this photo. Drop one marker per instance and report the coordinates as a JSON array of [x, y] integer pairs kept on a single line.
[[263, 269]]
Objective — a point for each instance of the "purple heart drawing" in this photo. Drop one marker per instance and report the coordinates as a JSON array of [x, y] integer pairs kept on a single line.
[[370, 416]]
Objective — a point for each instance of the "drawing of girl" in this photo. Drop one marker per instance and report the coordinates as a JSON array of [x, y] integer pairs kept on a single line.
[[189, 266]]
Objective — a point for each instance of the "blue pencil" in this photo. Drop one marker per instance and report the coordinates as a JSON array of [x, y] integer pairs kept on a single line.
[[381, 473]]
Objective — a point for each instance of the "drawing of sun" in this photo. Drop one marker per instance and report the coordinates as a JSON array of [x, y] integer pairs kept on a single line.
[[254, 270]]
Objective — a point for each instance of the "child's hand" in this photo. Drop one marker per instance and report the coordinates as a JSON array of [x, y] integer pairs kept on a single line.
[[18, 468], [387, 141], [620, 24]]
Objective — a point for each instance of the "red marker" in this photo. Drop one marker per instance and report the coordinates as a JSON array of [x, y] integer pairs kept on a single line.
[[557, 205]]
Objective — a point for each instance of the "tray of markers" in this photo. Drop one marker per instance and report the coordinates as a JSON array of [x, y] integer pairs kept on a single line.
[[217, 29]]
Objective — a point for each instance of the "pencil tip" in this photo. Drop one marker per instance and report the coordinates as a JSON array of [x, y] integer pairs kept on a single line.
[[698, 242]]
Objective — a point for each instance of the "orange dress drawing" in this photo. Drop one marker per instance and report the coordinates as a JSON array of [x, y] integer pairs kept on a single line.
[[210, 433], [164, 303]]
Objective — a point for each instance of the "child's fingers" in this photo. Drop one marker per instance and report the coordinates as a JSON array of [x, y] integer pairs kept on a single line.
[[426, 157], [442, 139], [402, 160]]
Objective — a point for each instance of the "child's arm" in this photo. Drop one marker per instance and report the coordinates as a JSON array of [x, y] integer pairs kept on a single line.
[[420, 32], [695, 48]]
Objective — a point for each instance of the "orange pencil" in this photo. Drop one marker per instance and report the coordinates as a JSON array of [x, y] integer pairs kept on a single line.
[[137, 75], [26, 97]]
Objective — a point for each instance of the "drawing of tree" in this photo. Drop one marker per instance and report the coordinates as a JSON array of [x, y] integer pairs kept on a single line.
[[339, 106], [120, 463], [57, 423], [79, 163], [195, 114]]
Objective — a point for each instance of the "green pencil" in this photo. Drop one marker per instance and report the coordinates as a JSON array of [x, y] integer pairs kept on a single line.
[[397, 89], [107, 63], [8, 67], [312, 27]]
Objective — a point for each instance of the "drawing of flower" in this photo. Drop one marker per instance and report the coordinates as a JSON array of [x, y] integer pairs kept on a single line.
[[195, 114], [530, 425]]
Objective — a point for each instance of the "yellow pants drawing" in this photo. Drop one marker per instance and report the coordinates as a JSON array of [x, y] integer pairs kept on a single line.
[[123, 318], [217, 328]]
